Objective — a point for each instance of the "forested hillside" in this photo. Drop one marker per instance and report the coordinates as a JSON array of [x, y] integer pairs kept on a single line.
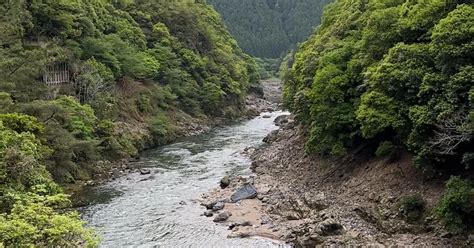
[[88, 80], [269, 28], [385, 76]]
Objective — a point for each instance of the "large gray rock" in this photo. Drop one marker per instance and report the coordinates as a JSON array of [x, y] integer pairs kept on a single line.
[[245, 192], [225, 182], [329, 227], [280, 120], [271, 137], [218, 206], [222, 217]]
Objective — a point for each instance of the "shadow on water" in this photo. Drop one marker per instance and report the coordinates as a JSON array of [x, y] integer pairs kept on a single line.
[[159, 209]]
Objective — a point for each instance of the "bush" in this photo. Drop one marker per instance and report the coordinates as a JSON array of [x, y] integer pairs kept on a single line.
[[384, 149], [411, 207], [29, 199], [162, 129], [456, 208], [33, 222], [6, 102]]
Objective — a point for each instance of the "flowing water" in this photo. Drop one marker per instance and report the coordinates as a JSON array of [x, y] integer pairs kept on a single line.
[[158, 210]]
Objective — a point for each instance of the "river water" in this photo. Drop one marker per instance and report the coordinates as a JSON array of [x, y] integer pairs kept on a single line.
[[158, 210]]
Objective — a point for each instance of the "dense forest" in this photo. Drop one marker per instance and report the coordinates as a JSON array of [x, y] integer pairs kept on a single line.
[[87, 80], [269, 28], [385, 76]]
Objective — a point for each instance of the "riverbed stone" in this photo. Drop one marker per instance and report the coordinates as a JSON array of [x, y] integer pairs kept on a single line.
[[218, 206], [144, 171], [208, 213], [271, 137], [245, 192], [222, 217], [225, 182], [329, 227], [280, 120]]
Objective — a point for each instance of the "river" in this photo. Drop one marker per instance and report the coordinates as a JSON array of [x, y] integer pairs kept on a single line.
[[158, 210]]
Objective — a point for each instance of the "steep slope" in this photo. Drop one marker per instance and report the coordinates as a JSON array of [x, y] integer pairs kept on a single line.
[[84, 81], [269, 28]]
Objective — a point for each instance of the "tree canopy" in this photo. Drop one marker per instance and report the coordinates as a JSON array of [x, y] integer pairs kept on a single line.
[[270, 28], [136, 69], [389, 71]]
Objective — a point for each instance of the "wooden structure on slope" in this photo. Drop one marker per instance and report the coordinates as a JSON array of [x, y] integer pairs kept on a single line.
[[56, 74]]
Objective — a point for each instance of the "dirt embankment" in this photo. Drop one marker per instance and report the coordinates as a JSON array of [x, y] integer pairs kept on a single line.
[[311, 201]]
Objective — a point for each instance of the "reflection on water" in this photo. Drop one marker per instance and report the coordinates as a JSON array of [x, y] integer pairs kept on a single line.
[[147, 210]]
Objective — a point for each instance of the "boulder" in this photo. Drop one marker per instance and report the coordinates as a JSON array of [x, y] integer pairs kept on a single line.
[[271, 137], [280, 120], [208, 213], [145, 171], [245, 223], [222, 217], [208, 205], [310, 240], [329, 227], [245, 192], [265, 220], [225, 182], [257, 89], [218, 206], [446, 235], [470, 239]]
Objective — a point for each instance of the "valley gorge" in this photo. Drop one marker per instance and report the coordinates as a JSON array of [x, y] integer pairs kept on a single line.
[[273, 123]]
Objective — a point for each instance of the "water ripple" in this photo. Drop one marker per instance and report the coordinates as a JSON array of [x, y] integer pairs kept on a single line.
[[147, 213]]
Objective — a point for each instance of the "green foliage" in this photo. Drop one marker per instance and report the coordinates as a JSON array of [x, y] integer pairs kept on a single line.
[[388, 70], [411, 207], [29, 199], [132, 66], [80, 119], [21, 123], [162, 129], [34, 222], [6, 103], [269, 28], [456, 208], [268, 68], [21, 153], [384, 149]]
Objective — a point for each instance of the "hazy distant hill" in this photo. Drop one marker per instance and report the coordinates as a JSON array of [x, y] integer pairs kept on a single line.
[[267, 28]]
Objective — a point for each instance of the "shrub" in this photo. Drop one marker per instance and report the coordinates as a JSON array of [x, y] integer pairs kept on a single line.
[[411, 207], [456, 208], [6, 102], [80, 118], [33, 222], [29, 199], [384, 149], [162, 129]]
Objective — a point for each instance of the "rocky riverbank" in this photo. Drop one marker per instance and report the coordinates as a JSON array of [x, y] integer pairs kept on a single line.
[[309, 201], [103, 171]]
